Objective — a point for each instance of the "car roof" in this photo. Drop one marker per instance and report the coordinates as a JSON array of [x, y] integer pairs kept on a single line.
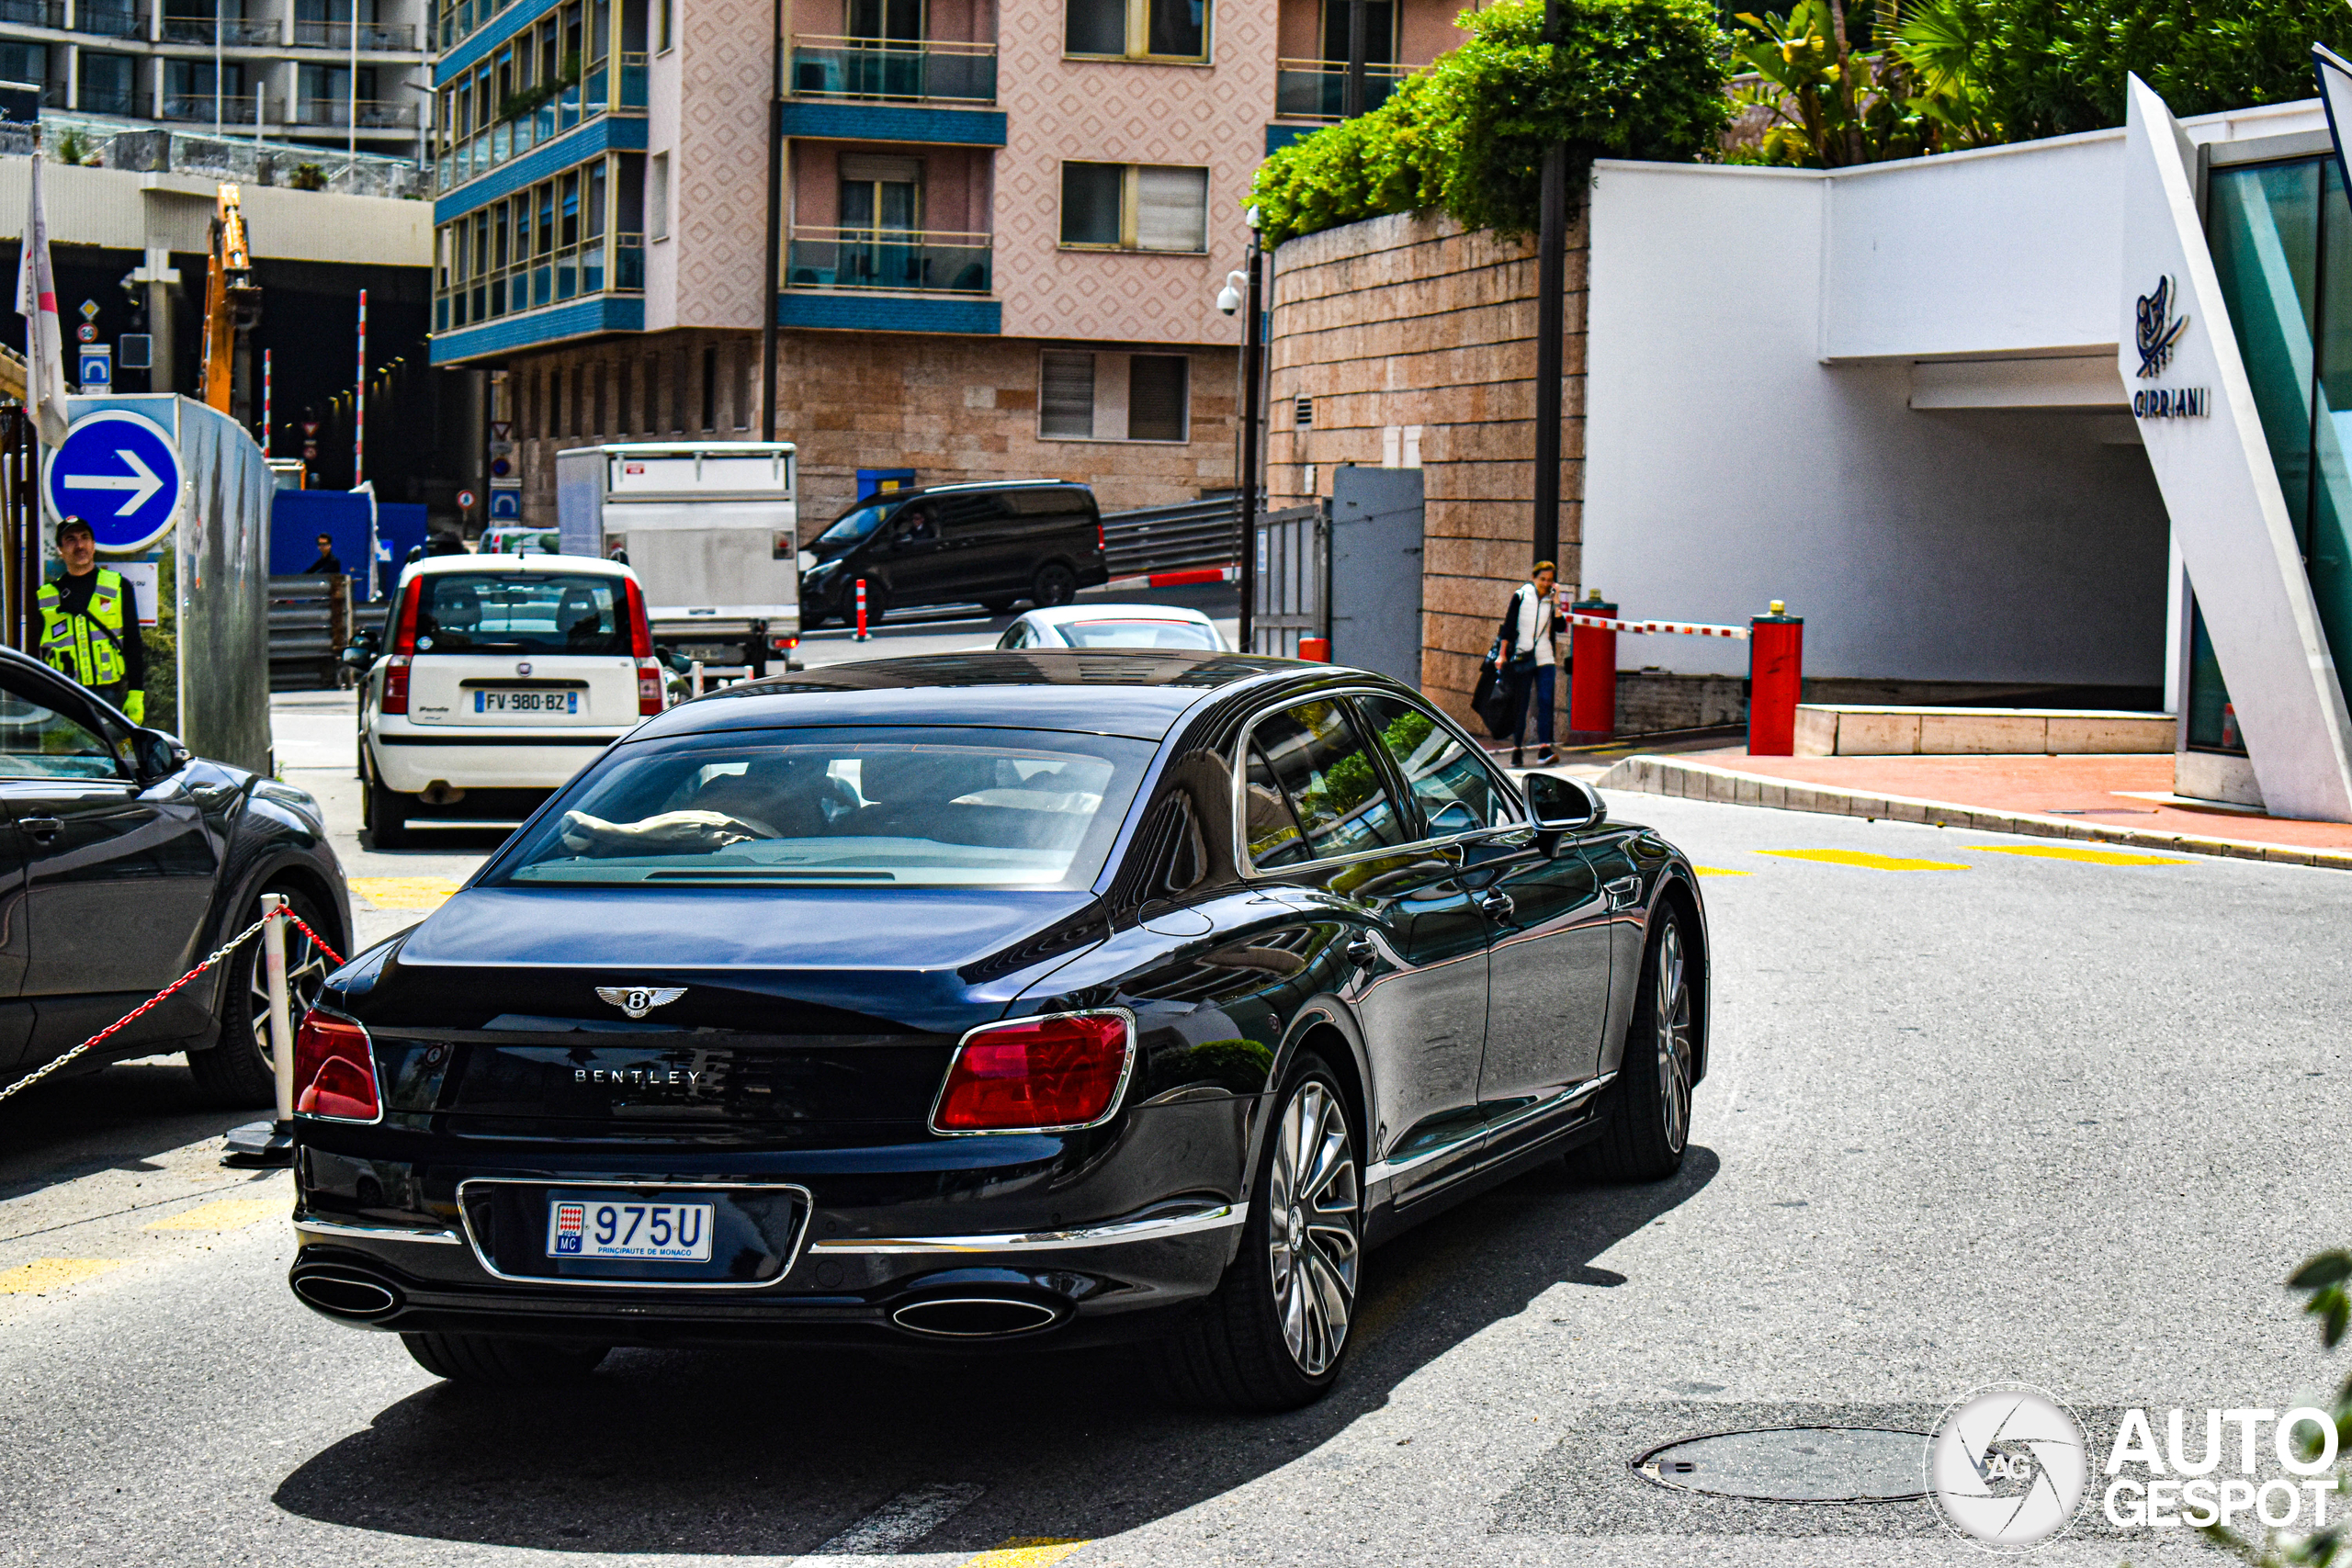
[[965, 486], [1139, 692], [594, 566], [1065, 615]]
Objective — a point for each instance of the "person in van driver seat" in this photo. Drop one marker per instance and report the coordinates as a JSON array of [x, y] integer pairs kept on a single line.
[[89, 624]]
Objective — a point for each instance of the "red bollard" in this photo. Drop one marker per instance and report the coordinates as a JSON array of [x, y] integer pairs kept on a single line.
[[862, 635], [1775, 681], [1592, 674], [1315, 649]]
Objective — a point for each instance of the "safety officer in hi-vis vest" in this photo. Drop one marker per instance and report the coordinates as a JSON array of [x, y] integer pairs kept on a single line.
[[89, 624]]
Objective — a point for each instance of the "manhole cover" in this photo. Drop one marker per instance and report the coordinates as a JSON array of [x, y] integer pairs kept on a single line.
[[1795, 1464]]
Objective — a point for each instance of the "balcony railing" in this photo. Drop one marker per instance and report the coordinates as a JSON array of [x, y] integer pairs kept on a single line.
[[826, 67], [511, 137], [229, 108], [1318, 89], [458, 21], [550, 279], [928, 261], [236, 32], [103, 20], [99, 100], [396, 36], [33, 12], [373, 114]]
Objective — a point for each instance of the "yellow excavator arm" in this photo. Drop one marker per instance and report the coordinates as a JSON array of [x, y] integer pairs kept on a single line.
[[231, 298]]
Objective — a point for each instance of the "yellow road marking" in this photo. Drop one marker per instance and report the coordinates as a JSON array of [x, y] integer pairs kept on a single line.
[[225, 1215], [1720, 871], [1027, 1551], [1866, 861], [404, 892], [44, 1274], [2067, 851]]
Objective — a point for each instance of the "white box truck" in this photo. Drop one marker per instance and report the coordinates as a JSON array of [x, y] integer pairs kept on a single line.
[[711, 530]]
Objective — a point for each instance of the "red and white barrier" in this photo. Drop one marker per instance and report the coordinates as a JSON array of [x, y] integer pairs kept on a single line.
[[1679, 629], [1187, 578], [1775, 671]]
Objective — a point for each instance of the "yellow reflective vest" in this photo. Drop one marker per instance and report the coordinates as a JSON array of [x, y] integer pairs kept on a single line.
[[92, 654]]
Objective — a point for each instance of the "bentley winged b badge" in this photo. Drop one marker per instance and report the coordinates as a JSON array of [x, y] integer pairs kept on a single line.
[[638, 1001]]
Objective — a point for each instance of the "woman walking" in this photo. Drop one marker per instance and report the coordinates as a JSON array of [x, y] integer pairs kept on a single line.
[[1527, 654]]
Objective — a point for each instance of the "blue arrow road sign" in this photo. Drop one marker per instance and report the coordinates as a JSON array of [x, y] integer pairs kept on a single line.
[[119, 472]]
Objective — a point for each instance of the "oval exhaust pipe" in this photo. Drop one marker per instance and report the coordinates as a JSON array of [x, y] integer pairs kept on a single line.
[[342, 1294], [975, 1317]]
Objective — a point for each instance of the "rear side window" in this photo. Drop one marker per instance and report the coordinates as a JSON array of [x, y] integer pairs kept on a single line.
[[482, 612], [1454, 790], [1312, 760], [1062, 504]]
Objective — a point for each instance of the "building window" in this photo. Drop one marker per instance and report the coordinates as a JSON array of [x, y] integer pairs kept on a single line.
[[1135, 207], [1114, 397], [107, 83], [657, 194], [1136, 30]]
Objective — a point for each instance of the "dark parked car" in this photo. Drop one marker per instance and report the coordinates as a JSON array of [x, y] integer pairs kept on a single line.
[[990, 544], [1012, 999], [123, 861]]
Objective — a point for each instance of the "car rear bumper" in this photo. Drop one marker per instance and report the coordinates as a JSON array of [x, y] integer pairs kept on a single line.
[[408, 757]]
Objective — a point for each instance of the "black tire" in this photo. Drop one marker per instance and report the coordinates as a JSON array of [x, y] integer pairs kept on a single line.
[[495, 1361], [385, 815], [237, 1072], [1240, 1349], [1053, 584], [1649, 1119]]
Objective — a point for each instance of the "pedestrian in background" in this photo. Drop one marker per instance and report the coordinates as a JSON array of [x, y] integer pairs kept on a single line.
[[89, 624], [1527, 652], [326, 565]]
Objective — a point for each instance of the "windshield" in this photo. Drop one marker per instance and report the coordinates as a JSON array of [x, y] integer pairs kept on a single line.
[[849, 528], [928, 806], [1137, 633], [540, 612]]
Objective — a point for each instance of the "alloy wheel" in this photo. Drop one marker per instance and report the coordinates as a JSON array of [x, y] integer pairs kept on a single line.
[[306, 969], [1671, 1009], [1312, 1199]]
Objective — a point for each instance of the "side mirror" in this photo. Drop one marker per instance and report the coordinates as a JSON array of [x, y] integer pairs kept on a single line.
[[1564, 806], [157, 755]]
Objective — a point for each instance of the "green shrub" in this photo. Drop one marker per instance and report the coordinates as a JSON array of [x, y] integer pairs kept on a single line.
[[1626, 79]]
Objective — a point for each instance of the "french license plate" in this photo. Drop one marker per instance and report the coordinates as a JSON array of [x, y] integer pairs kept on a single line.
[[528, 704], [624, 1227]]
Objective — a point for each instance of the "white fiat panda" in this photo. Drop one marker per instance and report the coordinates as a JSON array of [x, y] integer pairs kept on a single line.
[[501, 677]]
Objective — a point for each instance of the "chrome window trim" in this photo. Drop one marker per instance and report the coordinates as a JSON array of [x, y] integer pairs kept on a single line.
[[1118, 1233], [1248, 869], [800, 1234], [307, 1226], [1118, 1094]]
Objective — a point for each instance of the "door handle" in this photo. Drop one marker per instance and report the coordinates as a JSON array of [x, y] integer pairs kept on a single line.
[[1623, 893], [1496, 902], [1362, 953], [42, 827]]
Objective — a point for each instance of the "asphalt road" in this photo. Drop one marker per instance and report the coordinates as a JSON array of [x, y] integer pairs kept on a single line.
[[1989, 1116]]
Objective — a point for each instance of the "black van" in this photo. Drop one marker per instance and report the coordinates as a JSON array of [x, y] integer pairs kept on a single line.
[[995, 542]]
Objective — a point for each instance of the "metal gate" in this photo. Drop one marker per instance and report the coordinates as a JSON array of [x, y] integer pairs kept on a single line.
[[1373, 594], [1293, 595]]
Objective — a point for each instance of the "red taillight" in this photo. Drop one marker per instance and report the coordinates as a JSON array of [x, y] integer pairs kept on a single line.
[[334, 1070], [640, 628], [1038, 1075], [1101, 540], [396, 683], [651, 684], [649, 687]]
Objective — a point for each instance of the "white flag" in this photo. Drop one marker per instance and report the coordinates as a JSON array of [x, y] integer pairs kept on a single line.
[[44, 342]]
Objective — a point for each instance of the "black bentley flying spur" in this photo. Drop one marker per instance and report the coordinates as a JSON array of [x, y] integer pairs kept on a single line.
[[998, 1000]]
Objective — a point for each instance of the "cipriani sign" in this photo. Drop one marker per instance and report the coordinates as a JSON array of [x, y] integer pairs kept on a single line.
[[2159, 333]]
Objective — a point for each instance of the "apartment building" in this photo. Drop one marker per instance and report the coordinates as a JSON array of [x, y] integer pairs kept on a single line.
[[348, 75], [1006, 223]]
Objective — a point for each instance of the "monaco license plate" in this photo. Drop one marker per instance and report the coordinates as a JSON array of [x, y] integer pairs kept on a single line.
[[629, 1227], [528, 704]]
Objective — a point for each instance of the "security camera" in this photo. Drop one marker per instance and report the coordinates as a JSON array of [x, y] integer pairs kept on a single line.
[[1228, 300]]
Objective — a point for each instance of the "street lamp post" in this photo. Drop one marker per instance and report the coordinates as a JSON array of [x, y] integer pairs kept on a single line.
[[1551, 326], [1243, 292]]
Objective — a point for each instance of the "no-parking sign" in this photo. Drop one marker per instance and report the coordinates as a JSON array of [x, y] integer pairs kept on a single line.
[[119, 472]]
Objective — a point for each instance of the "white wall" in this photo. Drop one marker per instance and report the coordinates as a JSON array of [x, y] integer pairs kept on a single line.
[[1728, 464]]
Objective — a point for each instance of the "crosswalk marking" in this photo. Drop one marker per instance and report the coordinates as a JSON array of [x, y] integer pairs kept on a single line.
[[2068, 851], [44, 1274], [225, 1215], [404, 892], [1027, 1551], [1867, 860], [1720, 871]]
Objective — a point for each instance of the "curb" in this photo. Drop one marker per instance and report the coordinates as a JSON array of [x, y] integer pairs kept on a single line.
[[1696, 781]]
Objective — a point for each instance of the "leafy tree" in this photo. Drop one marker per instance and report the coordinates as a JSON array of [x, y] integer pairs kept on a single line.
[[1626, 79]]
